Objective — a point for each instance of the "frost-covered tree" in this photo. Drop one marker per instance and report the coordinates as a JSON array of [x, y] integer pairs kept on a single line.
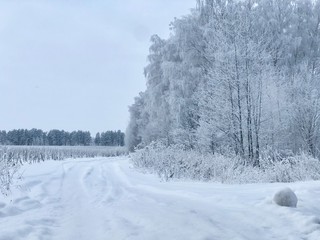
[[304, 111], [138, 122], [234, 77]]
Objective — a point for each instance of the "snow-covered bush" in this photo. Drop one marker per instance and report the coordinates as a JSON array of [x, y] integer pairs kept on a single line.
[[8, 168], [175, 161], [296, 168], [286, 198]]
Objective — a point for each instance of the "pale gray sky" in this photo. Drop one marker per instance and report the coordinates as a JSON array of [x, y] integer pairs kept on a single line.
[[76, 64]]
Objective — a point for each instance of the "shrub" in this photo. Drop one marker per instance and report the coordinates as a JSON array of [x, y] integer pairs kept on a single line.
[[175, 161], [8, 168]]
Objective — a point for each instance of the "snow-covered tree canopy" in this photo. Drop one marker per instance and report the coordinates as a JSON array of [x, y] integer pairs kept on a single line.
[[239, 77]]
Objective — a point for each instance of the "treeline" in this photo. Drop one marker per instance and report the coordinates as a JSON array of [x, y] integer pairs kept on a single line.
[[109, 138], [37, 137], [235, 77]]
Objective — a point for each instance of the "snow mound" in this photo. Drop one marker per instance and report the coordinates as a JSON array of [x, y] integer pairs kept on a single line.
[[286, 197]]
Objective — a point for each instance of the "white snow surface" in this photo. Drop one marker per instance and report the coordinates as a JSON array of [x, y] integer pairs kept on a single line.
[[106, 198]]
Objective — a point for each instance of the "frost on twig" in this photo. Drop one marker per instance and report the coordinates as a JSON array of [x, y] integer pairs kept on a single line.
[[8, 169]]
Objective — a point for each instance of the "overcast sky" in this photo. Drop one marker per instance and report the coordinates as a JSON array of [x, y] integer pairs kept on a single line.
[[76, 64]]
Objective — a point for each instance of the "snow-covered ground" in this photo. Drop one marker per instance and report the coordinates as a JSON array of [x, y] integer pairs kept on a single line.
[[107, 199]]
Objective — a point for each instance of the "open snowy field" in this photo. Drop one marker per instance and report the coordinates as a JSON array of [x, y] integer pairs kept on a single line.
[[105, 198]]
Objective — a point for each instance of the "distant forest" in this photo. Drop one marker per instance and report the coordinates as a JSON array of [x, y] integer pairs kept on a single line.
[[60, 138]]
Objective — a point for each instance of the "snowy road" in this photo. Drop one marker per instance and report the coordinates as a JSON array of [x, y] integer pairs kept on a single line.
[[97, 199]]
